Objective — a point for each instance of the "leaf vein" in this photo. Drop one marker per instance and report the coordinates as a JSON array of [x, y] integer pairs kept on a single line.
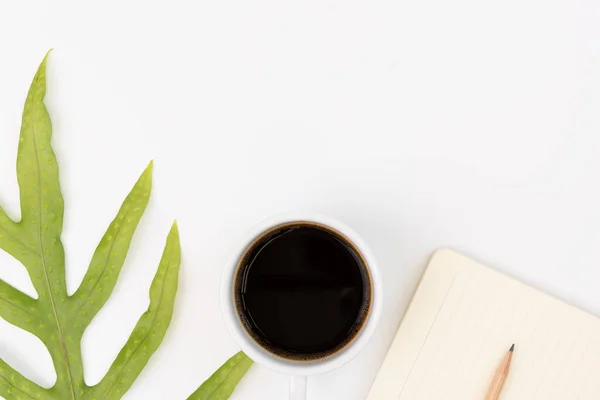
[[162, 291], [17, 239], [225, 378], [16, 387], [112, 245], [17, 306], [45, 268]]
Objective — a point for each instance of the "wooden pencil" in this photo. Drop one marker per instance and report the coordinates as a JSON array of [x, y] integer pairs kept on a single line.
[[500, 376]]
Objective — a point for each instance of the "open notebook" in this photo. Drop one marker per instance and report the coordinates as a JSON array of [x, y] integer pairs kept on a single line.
[[459, 326]]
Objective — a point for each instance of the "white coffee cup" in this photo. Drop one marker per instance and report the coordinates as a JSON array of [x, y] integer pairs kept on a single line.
[[299, 370]]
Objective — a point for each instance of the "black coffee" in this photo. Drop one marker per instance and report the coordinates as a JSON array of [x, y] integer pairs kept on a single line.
[[302, 291]]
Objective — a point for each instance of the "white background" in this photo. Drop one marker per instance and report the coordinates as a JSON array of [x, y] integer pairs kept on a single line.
[[421, 123]]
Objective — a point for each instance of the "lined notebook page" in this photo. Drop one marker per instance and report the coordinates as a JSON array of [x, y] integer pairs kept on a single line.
[[462, 321]]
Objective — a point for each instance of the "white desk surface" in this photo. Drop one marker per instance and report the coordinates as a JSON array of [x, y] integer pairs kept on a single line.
[[422, 124]]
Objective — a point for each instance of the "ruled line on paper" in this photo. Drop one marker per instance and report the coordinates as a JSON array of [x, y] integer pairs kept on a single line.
[[428, 333]]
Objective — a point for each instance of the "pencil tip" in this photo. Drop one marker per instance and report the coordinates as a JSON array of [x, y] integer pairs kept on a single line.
[[512, 348]]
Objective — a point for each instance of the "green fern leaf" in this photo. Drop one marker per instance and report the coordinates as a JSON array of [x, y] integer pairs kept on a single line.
[[222, 383], [57, 319]]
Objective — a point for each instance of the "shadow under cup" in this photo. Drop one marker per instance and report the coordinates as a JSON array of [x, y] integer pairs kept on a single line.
[[302, 291]]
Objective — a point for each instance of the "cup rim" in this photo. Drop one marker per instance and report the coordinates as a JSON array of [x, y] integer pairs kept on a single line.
[[273, 361]]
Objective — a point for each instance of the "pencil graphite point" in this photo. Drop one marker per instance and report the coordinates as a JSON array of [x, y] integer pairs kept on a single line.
[[512, 348]]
